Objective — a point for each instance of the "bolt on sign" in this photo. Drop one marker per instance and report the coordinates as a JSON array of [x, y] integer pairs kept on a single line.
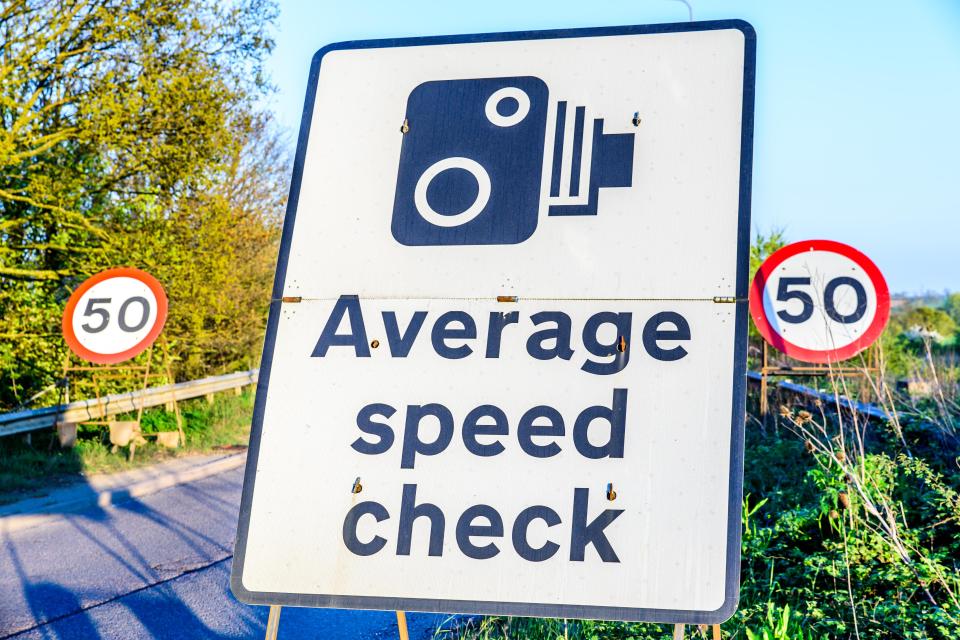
[[819, 301], [505, 362]]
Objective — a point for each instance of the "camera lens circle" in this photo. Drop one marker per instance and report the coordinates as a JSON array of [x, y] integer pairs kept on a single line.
[[507, 107], [512, 94], [483, 192]]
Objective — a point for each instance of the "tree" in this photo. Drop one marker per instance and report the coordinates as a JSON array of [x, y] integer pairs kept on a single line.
[[215, 252], [764, 245], [122, 123], [952, 306], [927, 323]]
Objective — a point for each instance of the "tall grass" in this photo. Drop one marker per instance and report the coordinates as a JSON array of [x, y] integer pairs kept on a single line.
[[851, 527]]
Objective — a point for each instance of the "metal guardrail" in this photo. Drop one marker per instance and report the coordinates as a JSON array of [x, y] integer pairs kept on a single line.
[[113, 404], [116, 403], [863, 408]]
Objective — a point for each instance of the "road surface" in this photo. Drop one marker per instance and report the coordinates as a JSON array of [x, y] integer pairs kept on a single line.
[[155, 567]]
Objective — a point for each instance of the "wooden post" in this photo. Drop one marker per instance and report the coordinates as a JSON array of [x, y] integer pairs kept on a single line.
[[66, 378], [872, 367], [273, 622], [764, 403], [678, 630], [176, 405], [143, 400], [402, 625], [143, 389]]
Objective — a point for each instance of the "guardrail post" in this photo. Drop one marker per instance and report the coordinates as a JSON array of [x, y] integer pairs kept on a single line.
[[67, 434]]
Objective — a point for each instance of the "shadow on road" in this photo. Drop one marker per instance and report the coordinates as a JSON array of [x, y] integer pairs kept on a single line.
[[48, 600], [51, 588], [156, 567]]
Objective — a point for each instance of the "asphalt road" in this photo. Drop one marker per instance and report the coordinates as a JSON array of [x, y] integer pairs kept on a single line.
[[155, 567]]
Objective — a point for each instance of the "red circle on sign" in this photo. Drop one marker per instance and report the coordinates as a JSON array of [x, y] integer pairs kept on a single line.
[[112, 358], [826, 356]]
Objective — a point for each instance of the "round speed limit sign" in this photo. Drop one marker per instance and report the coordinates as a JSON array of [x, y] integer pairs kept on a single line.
[[819, 301], [114, 315]]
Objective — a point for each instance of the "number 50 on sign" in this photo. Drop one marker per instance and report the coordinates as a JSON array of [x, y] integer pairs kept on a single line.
[[114, 315], [819, 301]]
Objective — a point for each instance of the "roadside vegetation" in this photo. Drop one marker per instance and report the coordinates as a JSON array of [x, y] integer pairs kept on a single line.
[[851, 527], [29, 468], [131, 135]]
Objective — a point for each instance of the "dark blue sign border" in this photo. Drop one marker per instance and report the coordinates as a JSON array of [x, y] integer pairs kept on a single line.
[[739, 357]]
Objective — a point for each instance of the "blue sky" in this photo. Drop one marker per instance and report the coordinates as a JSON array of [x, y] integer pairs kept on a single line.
[[857, 116]]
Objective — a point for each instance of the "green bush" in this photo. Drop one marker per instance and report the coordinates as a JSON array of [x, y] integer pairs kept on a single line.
[[779, 625], [839, 540]]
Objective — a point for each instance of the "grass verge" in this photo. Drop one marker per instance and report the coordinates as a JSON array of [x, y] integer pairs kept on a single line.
[[28, 468]]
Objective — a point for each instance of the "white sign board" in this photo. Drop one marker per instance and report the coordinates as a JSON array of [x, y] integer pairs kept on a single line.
[[505, 362]]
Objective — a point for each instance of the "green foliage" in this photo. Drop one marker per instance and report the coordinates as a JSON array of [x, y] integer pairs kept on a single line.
[[901, 356], [840, 540], [779, 625], [504, 628], [952, 307], [854, 541], [157, 420], [922, 322], [920, 336], [130, 137], [764, 245], [22, 466]]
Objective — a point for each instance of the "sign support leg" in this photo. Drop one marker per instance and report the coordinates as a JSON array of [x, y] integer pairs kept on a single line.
[[176, 405], [402, 625], [764, 404], [273, 622], [678, 631], [143, 394]]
